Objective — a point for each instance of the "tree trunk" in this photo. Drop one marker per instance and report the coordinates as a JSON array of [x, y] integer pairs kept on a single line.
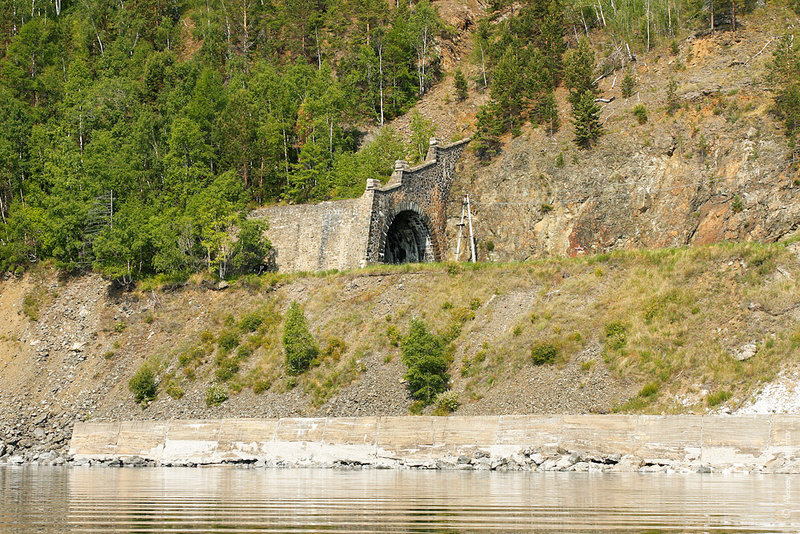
[[380, 76], [483, 68]]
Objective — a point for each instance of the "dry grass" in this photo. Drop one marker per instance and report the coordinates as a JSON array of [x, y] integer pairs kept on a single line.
[[669, 319]]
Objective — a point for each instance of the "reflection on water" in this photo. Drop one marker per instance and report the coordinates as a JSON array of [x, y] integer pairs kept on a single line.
[[235, 500]]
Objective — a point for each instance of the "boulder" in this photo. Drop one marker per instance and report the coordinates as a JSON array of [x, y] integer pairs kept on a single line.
[[745, 352]]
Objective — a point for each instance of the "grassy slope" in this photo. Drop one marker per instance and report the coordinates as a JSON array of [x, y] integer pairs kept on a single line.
[[682, 314]]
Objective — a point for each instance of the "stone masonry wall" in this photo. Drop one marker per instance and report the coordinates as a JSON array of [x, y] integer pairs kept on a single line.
[[319, 237], [424, 189], [347, 234]]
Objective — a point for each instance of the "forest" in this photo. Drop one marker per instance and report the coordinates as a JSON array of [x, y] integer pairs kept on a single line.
[[136, 134]]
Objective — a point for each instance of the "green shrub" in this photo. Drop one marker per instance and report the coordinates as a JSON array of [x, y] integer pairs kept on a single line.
[[672, 97], [424, 357], [260, 386], [446, 403], [736, 205], [250, 322], [460, 84], [560, 160], [416, 407], [216, 395], [30, 307], [243, 352], [227, 369], [143, 384], [298, 343], [228, 340], [628, 83], [718, 398], [649, 390], [543, 353], [393, 335], [334, 349], [174, 390], [206, 337], [108, 355], [120, 327], [616, 334], [640, 111]]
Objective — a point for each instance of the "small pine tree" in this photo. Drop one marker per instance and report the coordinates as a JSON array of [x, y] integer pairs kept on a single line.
[[143, 384], [628, 84], [586, 118], [579, 71], [548, 111], [423, 355], [672, 97], [298, 343], [460, 83]]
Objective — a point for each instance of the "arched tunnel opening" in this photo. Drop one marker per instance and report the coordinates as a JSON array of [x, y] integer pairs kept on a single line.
[[408, 240]]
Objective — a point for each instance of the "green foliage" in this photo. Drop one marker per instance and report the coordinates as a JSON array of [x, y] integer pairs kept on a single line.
[[298, 343], [216, 394], [143, 384], [628, 84], [174, 389], [579, 67], [393, 335], [460, 85], [446, 403], [226, 369], [30, 306], [260, 386], [649, 390], [717, 398], [736, 204], [586, 120], [543, 353], [228, 340], [616, 335], [673, 104], [116, 98], [424, 358], [640, 112], [785, 74], [250, 321], [422, 130]]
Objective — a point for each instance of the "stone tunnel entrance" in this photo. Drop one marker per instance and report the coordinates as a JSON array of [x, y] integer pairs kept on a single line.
[[408, 240]]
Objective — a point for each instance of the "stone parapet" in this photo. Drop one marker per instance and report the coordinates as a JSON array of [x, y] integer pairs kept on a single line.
[[751, 443]]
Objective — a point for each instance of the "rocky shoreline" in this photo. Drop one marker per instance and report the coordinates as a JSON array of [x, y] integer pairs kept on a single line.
[[530, 460]]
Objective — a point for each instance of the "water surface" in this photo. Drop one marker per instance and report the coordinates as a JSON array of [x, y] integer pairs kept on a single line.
[[48, 499]]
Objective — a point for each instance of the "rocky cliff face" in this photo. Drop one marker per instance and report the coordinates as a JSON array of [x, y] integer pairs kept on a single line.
[[713, 170]]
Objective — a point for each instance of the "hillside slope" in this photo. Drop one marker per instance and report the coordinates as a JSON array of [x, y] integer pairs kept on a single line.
[[647, 331], [716, 169]]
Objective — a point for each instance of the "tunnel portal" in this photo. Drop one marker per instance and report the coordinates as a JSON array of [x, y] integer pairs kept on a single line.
[[408, 240]]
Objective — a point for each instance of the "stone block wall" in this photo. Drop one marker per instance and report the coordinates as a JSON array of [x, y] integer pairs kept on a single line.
[[348, 234], [319, 237]]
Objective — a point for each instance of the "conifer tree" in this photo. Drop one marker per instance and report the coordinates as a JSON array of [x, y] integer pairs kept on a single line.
[[298, 343], [579, 79], [423, 356], [586, 119], [460, 84]]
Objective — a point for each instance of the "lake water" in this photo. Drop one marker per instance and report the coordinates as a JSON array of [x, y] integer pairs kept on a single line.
[[49, 499]]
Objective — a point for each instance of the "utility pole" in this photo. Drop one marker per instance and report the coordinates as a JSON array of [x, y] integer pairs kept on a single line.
[[471, 233], [461, 227]]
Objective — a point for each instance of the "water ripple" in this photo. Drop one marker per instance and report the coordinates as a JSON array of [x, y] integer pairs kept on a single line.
[[249, 500]]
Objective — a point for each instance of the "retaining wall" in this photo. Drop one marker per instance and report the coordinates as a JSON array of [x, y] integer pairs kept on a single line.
[[391, 441]]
